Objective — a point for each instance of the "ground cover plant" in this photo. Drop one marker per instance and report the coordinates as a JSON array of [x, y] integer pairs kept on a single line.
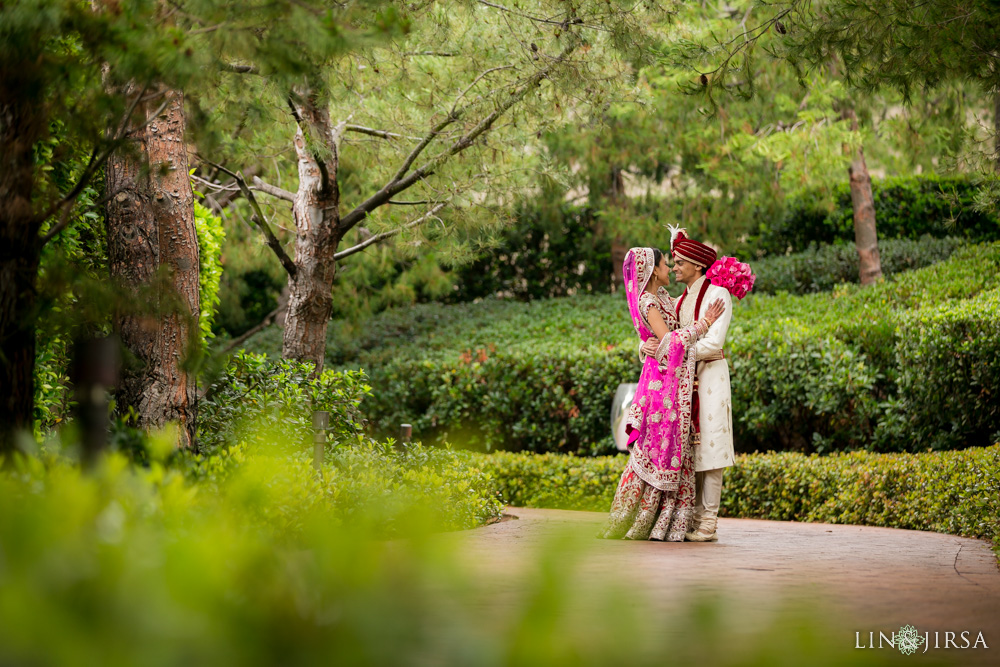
[[955, 492], [850, 368], [125, 565]]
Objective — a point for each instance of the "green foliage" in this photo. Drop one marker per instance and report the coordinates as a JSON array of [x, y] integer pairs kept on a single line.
[[814, 373], [555, 481], [260, 401], [820, 269], [211, 236], [124, 566], [947, 492], [559, 250], [905, 208], [552, 249], [949, 372], [943, 42]]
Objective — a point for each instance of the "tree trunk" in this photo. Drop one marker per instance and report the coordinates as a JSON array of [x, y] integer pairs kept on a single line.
[[20, 250], [317, 215], [865, 231], [614, 197], [996, 131], [151, 228]]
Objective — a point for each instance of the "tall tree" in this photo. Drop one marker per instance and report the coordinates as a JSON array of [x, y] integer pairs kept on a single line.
[[863, 202], [150, 222], [447, 114], [55, 58], [51, 52]]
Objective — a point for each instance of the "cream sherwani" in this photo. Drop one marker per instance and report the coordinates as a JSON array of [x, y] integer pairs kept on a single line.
[[714, 395]]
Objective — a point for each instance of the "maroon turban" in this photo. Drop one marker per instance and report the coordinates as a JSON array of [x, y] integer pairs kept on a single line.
[[692, 251]]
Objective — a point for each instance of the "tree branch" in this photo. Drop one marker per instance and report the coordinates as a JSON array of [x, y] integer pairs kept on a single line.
[[539, 19], [400, 182], [242, 338], [272, 190], [240, 69], [259, 219], [377, 133], [415, 153], [475, 81], [441, 54], [385, 235]]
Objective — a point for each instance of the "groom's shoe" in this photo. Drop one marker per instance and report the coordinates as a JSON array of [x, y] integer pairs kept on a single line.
[[705, 532]]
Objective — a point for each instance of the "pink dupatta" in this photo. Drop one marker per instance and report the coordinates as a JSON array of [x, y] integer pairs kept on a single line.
[[659, 420]]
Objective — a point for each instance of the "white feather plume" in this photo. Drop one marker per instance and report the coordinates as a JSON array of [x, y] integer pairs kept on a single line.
[[674, 231]]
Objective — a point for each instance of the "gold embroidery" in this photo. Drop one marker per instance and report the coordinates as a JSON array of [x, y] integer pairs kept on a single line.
[[656, 385]]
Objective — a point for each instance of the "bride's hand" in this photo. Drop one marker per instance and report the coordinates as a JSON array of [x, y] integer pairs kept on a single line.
[[649, 347], [715, 310]]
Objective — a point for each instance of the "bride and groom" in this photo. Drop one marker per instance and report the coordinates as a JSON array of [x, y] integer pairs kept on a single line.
[[679, 425]]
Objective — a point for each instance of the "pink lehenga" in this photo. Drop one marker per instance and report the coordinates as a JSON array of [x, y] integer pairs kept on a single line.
[[656, 493]]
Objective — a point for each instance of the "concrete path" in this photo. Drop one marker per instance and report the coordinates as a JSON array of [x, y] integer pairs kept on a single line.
[[871, 579]]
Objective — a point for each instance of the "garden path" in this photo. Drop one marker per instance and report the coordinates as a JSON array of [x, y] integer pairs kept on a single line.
[[870, 579]]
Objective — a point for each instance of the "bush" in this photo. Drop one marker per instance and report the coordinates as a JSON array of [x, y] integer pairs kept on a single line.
[[129, 566], [553, 249], [260, 408], [949, 375], [820, 269], [905, 208], [257, 400], [813, 372], [948, 492]]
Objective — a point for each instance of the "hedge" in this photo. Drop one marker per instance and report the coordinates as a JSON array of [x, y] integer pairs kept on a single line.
[[907, 207], [818, 372], [821, 268], [954, 492]]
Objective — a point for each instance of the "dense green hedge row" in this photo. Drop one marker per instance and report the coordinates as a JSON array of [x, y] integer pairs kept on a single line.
[[905, 365], [905, 207], [946, 492], [821, 268]]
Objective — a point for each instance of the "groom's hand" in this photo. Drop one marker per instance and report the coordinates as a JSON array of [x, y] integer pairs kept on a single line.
[[649, 347]]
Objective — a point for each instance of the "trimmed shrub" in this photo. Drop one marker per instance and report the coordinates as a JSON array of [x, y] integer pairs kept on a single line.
[[821, 268], [905, 207], [816, 372], [553, 249], [949, 376], [947, 492]]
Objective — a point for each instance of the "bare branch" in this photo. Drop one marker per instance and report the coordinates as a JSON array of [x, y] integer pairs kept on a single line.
[[240, 69], [539, 19], [415, 153], [409, 203], [475, 81], [377, 133], [441, 54], [400, 182], [258, 218], [385, 235], [242, 338], [272, 190]]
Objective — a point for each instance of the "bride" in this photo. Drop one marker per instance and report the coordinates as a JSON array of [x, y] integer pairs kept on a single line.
[[656, 492]]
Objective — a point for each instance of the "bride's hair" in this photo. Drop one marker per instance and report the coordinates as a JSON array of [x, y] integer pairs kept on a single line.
[[657, 256]]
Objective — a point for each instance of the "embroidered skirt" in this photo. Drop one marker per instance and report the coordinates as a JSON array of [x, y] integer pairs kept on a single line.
[[640, 511]]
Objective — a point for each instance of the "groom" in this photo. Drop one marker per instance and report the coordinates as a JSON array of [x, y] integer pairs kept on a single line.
[[711, 402]]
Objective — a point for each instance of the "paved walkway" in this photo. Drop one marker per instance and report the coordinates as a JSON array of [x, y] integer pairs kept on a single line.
[[872, 579]]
